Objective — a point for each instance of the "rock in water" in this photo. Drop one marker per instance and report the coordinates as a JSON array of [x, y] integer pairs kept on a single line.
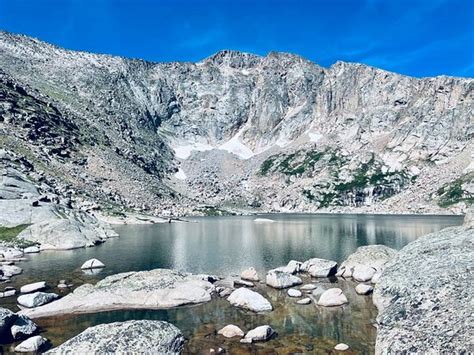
[[304, 301], [92, 264], [424, 296], [36, 299], [363, 273], [248, 299], [279, 279], [33, 287], [363, 289], [249, 274], [332, 297], [31, 345], [131, 337], [263, 220], [23, 327], [230, 331], [341, 347], [262, 333], [308, 287], [31, 250], [319, 267], [294, 293], [7, 318]]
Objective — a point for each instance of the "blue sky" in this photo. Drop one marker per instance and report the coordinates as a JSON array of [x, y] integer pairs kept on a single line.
[[417, 37]]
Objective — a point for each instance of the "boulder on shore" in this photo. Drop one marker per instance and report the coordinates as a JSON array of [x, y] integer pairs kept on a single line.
[[250, 300], [130, 337], [279, 279], [424, 296], [261, 333], [31, 345], [36, 286]]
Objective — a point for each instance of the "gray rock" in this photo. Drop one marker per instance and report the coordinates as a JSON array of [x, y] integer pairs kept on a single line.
[[92, 264], [363, 289], [32, 250], [11, 270], [134, 336], [261, 333], [319, 267], [365, 259], [230, 331], [341, 347], [279, 279], [332, 297], [31, 345], [154, 289], [7, 318], [304, 301], [23, 327], [308, 287], [250, 300], [36, 299], [249, 274], [36, 286], [294, 293], [424, 296]]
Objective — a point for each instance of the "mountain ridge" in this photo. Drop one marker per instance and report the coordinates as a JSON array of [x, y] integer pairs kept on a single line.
[[303, 124]]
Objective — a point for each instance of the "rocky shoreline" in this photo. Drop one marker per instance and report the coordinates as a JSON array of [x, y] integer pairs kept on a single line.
[[427, 298]]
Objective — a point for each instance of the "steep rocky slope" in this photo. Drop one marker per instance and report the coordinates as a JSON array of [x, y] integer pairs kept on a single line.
[[238, 131]]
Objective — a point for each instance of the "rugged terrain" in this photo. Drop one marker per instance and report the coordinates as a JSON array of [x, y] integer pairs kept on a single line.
[[235, 132]]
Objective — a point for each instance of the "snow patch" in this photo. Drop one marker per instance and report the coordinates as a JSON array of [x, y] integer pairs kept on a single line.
[[184, 151], [315, 137], [235, 146], [180, 175]]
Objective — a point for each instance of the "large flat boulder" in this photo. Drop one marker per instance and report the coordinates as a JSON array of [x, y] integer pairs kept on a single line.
[[154, 289], [131, 337], [317, 267], [424, 296]]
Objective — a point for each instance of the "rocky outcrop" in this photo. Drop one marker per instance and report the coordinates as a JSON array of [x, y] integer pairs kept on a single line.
[[424, 296], [154, 289], [135, 336]]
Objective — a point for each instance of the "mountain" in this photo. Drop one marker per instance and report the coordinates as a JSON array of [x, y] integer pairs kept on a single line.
[[236, 132]]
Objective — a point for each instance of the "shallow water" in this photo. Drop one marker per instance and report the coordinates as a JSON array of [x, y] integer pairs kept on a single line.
[[225, 246]]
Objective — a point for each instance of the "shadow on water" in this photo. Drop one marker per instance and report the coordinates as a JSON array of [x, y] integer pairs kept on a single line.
[[225, 246]]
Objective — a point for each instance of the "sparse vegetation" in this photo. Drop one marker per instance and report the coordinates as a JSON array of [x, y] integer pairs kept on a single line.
[[453, 192], [9, 235]]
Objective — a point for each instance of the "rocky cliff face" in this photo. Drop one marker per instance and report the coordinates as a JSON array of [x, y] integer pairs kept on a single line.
[[239, 131]]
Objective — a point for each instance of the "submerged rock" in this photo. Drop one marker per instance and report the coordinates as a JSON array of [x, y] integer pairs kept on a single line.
[[130, 337], [424, 296], [279, 279], [250, 300], [7, 318], [92, 264], [36, 299], [319, 267], [243, 283], [230, 331], [249, 274], [262, 333], [32, 344], [154, 289], [332, 297]]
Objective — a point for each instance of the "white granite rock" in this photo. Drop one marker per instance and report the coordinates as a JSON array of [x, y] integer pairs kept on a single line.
[[248, 299], [332, 297], [230, 331]]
